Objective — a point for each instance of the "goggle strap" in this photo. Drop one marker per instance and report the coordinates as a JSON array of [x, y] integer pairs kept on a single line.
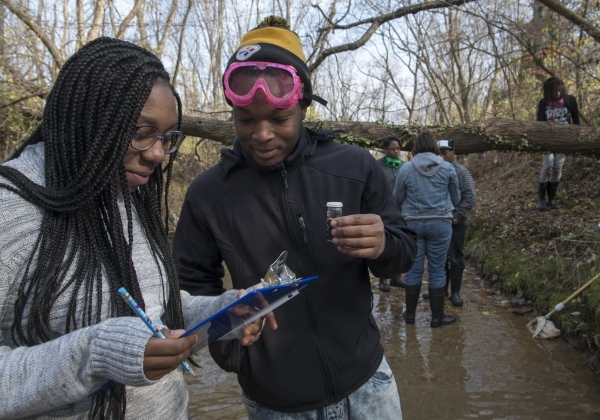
[[314, 98]]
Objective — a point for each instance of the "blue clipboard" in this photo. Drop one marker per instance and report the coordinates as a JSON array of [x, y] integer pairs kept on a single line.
[[227, 324]]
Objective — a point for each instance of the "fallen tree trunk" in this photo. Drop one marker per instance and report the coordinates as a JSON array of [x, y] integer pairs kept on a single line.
[[477, 137]]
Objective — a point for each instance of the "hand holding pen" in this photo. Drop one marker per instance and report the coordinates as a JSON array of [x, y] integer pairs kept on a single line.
[[162, 356]]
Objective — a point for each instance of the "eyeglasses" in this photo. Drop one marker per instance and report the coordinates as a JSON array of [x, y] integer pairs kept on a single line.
[[146, 135], [280, 83]]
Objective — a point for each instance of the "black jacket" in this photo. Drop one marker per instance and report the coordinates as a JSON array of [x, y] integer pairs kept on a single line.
[[327, 344], [568, 114]]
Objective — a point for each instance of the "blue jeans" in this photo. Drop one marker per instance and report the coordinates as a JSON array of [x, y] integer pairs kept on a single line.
[[433, 240], [376, 399]]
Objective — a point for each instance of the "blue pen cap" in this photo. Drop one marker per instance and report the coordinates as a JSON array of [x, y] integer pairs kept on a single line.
[[122, 290]]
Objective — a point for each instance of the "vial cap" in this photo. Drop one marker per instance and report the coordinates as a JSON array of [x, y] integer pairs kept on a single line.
[[335, 204]]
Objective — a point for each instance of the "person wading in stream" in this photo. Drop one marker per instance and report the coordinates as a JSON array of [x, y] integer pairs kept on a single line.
[[268, 194], [557, 107], [455, 264], [427, 190], [80, 216], [391, 164]]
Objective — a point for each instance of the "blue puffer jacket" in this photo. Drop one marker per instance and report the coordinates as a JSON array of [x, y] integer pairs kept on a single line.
[[427, 188]]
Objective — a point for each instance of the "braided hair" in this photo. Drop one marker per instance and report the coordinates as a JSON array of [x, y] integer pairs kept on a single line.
[[551, 87], [88, 122]]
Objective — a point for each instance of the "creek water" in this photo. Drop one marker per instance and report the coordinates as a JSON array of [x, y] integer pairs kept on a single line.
[[485, 366]]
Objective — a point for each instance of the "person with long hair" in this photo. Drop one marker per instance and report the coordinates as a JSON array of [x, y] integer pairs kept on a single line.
[[80, 216], [427, 191], [558, 107]]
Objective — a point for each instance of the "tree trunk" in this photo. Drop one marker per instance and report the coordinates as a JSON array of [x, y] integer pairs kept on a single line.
[[479, 136]]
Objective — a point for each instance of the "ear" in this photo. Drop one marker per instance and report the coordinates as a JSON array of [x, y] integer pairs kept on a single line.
[[303, 108]]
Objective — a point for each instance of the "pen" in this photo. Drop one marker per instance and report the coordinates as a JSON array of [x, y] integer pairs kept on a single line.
[[136, 308]]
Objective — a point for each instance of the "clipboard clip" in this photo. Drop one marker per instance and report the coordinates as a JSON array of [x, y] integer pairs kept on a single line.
[[279, 272]]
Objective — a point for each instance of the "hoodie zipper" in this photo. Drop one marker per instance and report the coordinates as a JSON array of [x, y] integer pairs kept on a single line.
[[284, 175], [311, 315]]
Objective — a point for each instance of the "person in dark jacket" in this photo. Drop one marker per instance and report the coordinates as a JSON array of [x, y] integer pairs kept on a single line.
[[269, 194], [427, 191], [557, 107], [391, 164]]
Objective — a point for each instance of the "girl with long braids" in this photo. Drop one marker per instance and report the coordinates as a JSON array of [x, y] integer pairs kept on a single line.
[[557, 107], [80, 216]]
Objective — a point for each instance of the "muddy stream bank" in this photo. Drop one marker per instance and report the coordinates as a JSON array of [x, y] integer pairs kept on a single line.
[[485, 366]]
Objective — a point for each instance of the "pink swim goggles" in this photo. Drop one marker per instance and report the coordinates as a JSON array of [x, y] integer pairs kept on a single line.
[[280, 83]]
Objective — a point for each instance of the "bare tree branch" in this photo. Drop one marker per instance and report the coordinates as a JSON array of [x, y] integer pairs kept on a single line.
[[180, 46], [578, 20], [127, 20], [30, 21], [80, 24], [98, 21], [165, 35], [375, 23], [41, 94]]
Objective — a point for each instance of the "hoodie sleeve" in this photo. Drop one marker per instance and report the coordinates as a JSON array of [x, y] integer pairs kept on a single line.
[[541, 111], [198, 259], [453, 187], [574, 110]]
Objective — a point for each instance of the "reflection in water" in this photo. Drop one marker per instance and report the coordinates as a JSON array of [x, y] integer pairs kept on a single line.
[[484, 366]]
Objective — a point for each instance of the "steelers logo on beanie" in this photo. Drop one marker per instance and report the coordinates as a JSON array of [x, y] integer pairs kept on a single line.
[[273, 41]]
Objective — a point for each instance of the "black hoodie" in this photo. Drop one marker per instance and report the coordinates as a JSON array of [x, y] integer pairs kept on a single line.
[[327, 344]]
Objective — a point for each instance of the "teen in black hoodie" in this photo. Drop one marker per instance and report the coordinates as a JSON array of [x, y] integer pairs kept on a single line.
[[557, 107], [269, 194]]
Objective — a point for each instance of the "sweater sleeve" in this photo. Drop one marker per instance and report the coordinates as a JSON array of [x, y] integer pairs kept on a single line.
[[69, 368], [198, 308], [401, 241]]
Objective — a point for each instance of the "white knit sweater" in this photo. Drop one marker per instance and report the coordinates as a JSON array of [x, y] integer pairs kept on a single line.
[[54, 380]]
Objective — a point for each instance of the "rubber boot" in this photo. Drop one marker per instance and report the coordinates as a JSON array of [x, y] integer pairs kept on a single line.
[[396, 281], [455, 283], [436, 301], [426, 295], [542, 196], [552, 188], [446, 294], [383, 286], [411, 294]]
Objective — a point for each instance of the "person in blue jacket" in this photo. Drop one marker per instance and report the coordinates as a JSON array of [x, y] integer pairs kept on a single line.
[[427, 191]]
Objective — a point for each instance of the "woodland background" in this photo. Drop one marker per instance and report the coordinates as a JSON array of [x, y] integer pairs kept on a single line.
[[385, 67], [392, 62]]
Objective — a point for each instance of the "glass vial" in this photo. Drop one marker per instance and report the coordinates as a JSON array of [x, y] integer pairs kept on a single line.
[[334, 210]]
